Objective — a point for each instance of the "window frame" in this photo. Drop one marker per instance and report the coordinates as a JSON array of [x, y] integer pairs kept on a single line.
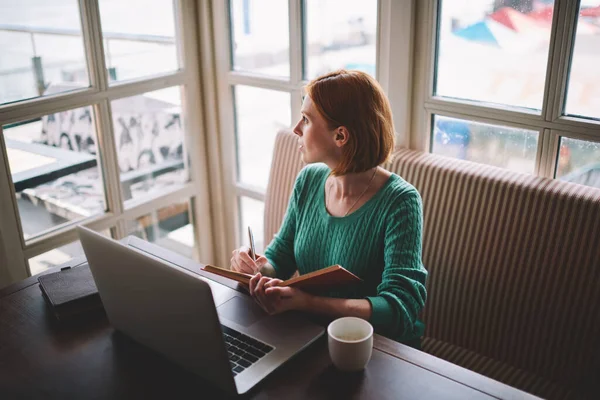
[[395, 21], [99, 95], [549, 121]]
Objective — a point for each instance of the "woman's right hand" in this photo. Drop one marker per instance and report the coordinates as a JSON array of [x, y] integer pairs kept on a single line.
[[242, 262]]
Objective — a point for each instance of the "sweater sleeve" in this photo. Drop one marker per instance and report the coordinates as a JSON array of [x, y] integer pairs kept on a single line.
[[280, 251], [401, 294]]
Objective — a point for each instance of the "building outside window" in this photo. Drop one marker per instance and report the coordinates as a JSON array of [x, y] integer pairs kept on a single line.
[[95, 126]]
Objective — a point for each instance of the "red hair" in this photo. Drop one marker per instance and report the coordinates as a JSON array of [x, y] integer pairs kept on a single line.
[[355, 100]]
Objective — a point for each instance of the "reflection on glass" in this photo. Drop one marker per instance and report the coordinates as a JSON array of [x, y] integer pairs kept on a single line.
[[41, 49], [260, 114], [54, 169], [170, 227], [58, 256], [583, 96], [493, 53], [511, 148], [252, 212], [339, 34], [139, 38], [579, 162], [150, 142], [260, 38]]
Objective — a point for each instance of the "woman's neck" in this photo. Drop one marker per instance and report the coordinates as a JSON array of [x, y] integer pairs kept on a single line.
[[352, 184]]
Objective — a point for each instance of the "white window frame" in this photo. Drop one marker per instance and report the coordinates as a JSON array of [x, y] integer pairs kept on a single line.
[[393, 53], [551, 122], [14, 250]]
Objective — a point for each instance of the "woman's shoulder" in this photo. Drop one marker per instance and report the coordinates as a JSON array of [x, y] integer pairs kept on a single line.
[[400, 191], [400, 186], [312, 173]]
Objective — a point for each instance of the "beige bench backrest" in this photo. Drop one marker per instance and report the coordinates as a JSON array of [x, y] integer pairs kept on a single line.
[[285, 166], [514, 260]]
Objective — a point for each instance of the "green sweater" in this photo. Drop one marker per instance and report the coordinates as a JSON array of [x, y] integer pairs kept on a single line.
[[380, 242]]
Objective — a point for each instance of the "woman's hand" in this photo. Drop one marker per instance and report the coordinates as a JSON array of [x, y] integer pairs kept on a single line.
[[242, 262], [275, 299]]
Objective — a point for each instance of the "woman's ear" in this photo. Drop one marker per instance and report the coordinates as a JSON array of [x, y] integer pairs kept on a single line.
[[341, 136]]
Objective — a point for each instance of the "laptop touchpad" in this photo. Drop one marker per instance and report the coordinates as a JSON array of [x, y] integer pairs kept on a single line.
[[241, 311]]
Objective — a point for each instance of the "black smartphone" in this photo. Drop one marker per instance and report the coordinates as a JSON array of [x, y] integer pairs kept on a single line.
[[252, 248]]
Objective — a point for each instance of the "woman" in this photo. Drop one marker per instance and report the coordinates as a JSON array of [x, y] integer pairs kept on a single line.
[[346, 210]]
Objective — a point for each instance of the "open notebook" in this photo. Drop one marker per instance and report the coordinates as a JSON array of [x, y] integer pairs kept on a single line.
[[323, 279]]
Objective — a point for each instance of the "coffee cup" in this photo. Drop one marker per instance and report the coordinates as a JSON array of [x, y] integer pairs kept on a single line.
[[350, 342]]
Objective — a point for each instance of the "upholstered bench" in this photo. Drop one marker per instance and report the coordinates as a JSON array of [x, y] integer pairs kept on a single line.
[[514, 263]]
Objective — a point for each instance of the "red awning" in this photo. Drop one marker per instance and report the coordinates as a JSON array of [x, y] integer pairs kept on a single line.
[[543, 14], [590, 12], [516, 20]]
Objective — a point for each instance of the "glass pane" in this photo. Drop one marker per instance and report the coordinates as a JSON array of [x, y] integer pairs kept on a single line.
[[579, 162], [55, 171], [55, 257], [583, 96], [252, 213], [150, 142], [261, 41], [494, 52], [501, 146], [260, 114], [139, 38], [41, 49], [339, 34], [58, 256], [170, 227]]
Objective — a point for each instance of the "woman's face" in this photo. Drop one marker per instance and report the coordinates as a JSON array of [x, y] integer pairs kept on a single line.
[[315, 139]]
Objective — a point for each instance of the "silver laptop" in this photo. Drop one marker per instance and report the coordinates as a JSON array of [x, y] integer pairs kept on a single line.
[[206, 327]]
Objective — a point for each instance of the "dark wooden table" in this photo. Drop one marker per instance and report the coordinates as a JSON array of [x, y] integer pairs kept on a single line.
[[41, 358]]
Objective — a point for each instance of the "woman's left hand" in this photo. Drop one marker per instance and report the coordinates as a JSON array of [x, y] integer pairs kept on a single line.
[[275, 299]]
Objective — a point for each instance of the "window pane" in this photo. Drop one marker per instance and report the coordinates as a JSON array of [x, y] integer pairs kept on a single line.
[[58, 256], [579, 162], [150, 142], [339, 34], [260, 37], [493, 53], [41, 49], [260, 114], [501, 146], [55, 170], [252, 213], [170, 227], [55, 257], [583, 96], [139, 38]]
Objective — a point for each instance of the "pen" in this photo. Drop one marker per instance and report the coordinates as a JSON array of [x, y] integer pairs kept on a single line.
[[252, 248]]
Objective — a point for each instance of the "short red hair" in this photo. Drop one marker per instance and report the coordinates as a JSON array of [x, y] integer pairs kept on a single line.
[[355, 100]]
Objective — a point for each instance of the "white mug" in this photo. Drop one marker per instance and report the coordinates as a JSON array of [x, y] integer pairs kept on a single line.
[[350, 341]]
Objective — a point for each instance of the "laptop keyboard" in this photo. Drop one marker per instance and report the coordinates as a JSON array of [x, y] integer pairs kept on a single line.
[[243, 350]]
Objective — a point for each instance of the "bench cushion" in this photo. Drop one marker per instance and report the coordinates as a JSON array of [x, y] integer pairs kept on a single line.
[[514, 265]]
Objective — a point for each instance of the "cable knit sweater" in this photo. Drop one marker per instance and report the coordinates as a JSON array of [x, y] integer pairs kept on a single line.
[[380, 242]]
